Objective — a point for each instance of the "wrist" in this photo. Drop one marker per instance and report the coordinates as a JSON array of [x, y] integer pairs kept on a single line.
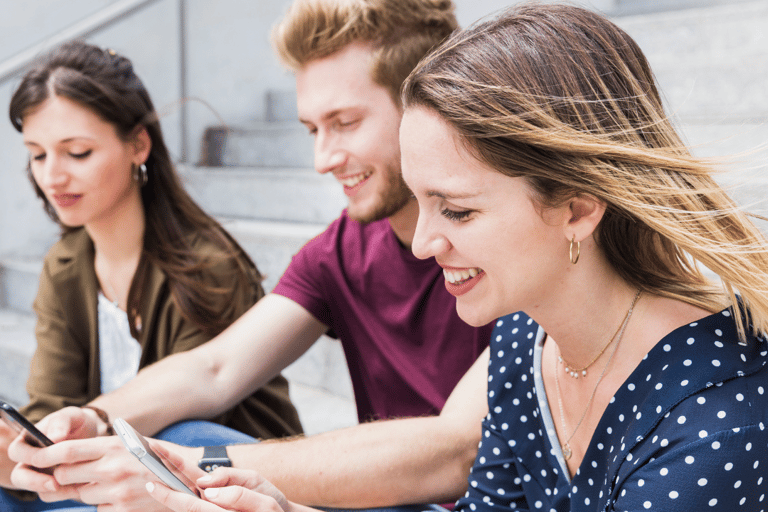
[[104, 426]]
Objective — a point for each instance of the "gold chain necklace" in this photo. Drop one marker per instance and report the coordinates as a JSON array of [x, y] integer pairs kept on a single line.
[[573, 372], [567, 452]]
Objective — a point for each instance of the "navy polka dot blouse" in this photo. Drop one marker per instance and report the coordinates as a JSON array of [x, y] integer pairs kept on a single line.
[[685, 432]]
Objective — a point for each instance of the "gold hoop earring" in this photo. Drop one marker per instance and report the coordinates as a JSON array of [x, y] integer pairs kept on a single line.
[[578, 250]]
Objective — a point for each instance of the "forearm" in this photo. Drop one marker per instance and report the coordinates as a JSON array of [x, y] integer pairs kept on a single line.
[[397, 462], [211, 379], [162, 394]]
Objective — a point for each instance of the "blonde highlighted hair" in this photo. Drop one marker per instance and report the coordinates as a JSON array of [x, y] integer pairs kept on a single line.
[[563, 97], [400, 32]]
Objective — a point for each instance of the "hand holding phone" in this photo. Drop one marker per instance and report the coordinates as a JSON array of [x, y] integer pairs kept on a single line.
[[160, 466], [22, 425]]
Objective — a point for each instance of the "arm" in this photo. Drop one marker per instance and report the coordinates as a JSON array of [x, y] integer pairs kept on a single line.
[[412, 460], [270, 336]]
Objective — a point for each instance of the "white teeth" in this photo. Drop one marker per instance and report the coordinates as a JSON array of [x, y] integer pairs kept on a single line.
[[459, 276], [354, 180]]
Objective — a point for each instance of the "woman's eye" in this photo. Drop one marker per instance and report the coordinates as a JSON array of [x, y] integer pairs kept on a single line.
[[84, 154], [38, 158], [344, 125], [455, 215]]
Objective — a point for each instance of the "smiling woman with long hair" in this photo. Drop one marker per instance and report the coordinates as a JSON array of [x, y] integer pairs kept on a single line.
[[543, 161]]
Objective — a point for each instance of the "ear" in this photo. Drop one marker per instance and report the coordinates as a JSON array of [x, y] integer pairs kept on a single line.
[[584, 213], [142, 145]]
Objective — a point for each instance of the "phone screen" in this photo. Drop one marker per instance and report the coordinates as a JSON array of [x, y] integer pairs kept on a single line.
[[22, 425]]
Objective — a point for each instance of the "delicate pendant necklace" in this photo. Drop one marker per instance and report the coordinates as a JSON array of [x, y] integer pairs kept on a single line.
[[574, 372], [566, 447], [115, 301]]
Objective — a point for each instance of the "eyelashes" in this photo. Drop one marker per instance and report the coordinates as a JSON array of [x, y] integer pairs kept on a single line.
[[454, 215]]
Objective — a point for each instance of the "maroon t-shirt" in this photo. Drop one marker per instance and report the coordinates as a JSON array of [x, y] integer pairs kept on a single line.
[[406, 347]]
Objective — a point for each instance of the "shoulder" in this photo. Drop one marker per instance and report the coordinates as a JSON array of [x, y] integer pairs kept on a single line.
[[345, 241], [72, 252], [511, 359], [512, 333]]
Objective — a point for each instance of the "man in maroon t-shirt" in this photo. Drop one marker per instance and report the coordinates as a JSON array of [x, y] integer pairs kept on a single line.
[[405, 345]]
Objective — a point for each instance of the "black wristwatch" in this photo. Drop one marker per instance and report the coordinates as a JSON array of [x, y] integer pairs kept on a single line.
[[214, 457]]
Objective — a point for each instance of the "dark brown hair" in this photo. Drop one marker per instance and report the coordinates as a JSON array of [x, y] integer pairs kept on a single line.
[[561, 96], [105, 83]]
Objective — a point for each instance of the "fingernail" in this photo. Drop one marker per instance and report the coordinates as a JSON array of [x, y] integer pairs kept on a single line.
[[206, 478], [211, 492], [150, 486], [50, 486]]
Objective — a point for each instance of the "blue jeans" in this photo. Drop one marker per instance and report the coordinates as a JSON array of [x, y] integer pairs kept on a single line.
[[186, 433]]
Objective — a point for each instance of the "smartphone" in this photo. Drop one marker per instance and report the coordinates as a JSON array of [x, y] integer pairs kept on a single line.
[[160, 466], [23, 426]]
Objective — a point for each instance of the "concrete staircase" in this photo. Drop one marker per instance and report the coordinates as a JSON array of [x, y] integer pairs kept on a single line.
[[712, 64]]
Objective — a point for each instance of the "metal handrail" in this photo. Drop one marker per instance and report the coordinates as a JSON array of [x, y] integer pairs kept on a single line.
[[92, 24], [88, 26]]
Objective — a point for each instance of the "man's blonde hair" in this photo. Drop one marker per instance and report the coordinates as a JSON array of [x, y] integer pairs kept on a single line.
[[400, 32]]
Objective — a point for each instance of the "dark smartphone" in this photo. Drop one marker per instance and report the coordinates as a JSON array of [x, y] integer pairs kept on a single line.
[[23, 426]]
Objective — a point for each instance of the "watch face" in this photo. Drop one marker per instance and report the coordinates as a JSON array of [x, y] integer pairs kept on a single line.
[[209, 465]]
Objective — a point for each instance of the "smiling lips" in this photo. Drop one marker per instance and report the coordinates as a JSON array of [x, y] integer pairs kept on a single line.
[[353, 183], [64, 200], [460, 281]]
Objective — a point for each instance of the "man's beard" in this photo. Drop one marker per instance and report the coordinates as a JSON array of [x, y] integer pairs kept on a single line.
[[395, 195]]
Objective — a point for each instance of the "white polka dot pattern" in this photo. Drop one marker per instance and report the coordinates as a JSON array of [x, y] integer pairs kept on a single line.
[[686, 431]]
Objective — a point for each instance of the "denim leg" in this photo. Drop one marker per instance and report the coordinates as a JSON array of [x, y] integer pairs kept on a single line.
[[203, 433], [9, 503]]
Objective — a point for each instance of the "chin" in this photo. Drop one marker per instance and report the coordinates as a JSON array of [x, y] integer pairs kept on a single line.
[[474, 316]]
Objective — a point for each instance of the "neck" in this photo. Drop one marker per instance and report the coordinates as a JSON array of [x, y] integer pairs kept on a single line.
[[403, 222], [119, 238], [586, 313]]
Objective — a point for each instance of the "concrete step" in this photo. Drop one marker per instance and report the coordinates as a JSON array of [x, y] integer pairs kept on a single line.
[[633, 7], [320, 385], [288, 195], [17, 344], [271, 244], [18, 282], [269, 144], [711, 62]]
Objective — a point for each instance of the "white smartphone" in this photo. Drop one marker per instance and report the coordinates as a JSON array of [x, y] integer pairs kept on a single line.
[[160, 466]]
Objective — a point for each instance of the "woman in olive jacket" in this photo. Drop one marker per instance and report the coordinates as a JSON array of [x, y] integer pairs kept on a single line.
[[140, 271]]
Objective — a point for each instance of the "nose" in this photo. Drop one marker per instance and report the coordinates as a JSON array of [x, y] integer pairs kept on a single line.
[[49, 174], [428, 241], [329, 155]]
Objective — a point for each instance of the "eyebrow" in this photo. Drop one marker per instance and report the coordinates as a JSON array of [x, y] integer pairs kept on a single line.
[[446, 195], [63, 141], [333, 113]]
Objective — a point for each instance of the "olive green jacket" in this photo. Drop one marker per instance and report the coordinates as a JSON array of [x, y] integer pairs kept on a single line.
[[65, 367]]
